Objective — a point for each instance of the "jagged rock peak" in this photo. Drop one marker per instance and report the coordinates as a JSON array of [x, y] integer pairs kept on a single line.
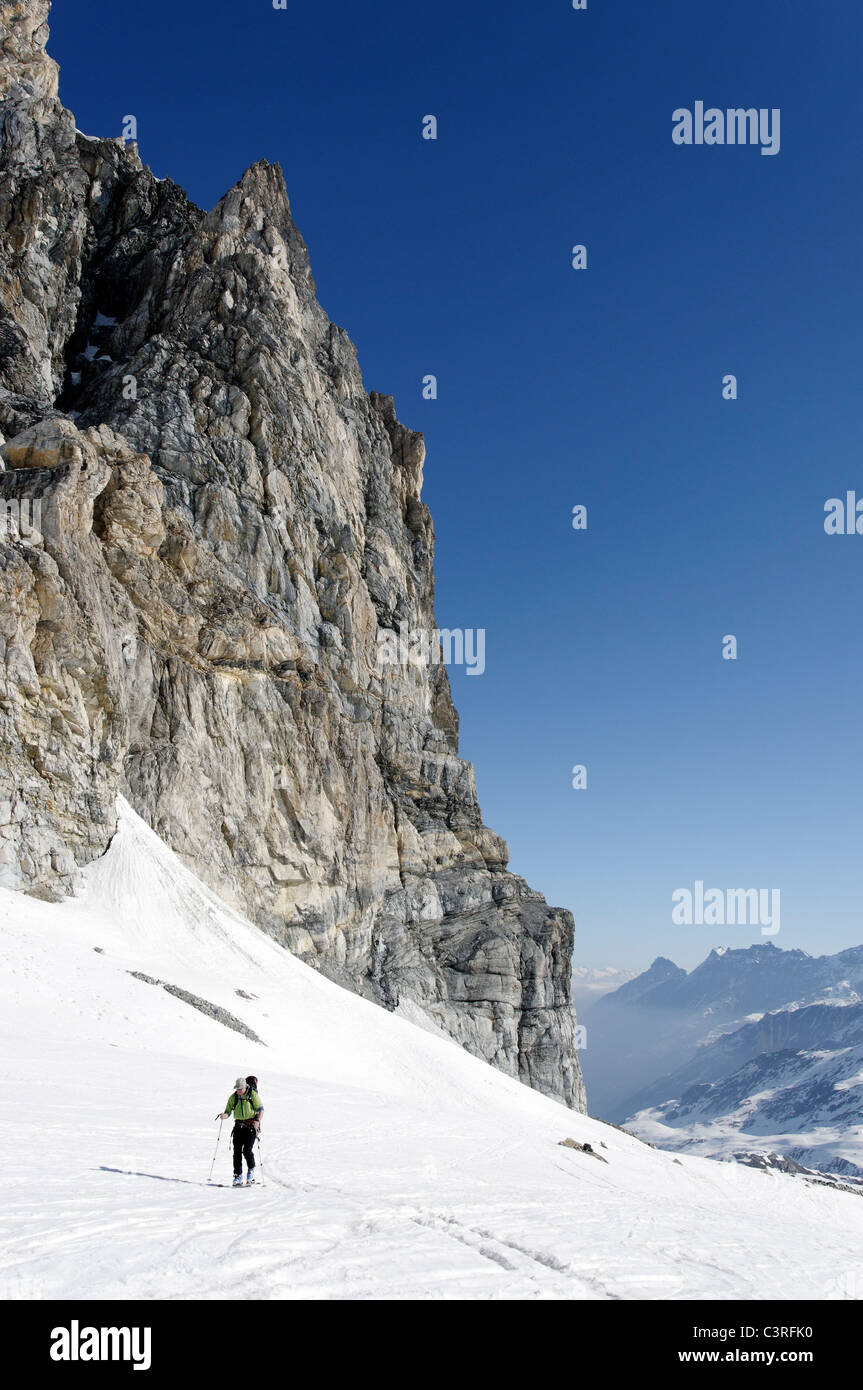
[[227, 526]]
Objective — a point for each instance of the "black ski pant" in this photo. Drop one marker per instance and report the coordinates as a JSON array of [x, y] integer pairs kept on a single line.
[[244, 1147]]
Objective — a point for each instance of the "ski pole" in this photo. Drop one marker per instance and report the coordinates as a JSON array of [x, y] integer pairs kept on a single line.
[[213, 1164], [261, 1160]]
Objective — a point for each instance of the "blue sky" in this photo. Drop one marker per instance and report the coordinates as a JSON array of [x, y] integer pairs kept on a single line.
[[600, 387]]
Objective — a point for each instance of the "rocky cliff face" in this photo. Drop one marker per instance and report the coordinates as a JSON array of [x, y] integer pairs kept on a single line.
[[190, 615]]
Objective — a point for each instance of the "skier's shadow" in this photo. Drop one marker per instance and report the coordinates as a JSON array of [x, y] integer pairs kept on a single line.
[[158, 1177]]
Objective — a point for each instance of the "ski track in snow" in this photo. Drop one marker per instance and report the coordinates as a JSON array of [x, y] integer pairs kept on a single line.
[[395, 1166]]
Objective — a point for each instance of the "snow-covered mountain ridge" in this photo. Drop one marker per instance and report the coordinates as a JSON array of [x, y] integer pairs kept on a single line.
[[757, 1051], [662, 1020], [790, 1082]]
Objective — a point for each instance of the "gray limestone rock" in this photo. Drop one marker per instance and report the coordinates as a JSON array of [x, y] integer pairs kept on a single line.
[[225, 521]]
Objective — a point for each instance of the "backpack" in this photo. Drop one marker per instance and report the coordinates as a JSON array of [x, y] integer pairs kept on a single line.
[[252, 1083]]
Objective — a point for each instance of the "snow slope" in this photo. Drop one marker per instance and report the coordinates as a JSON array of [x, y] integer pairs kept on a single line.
[[396, 1165]]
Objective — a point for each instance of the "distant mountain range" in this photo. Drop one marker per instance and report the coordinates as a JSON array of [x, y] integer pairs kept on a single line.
[[756, 1049], [791, 1082]]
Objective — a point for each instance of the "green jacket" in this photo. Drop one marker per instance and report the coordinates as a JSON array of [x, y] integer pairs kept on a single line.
[[245, 1109]]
